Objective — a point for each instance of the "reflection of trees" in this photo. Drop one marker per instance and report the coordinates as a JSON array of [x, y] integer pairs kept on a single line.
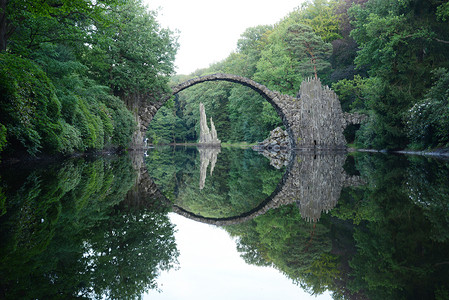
[[402, 250], [299, 249], [67, 233], [387, 239], [241, 180]]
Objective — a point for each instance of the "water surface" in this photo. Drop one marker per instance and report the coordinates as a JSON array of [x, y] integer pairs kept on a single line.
[[363, 226]]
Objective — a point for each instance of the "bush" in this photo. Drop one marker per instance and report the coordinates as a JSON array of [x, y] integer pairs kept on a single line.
[[29, 107], [428, 120]]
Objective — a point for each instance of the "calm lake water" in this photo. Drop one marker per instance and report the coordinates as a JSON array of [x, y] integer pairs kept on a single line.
[[188, 223]]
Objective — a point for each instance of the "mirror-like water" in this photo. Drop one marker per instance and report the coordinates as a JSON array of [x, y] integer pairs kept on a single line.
[[362, 226]]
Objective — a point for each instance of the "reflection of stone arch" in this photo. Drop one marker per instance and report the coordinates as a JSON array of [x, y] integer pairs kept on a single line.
[[312, 181]]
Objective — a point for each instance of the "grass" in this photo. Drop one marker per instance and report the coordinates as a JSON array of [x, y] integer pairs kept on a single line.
[[238, 145]]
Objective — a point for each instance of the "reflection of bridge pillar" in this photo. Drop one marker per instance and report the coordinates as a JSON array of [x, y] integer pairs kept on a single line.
[[314, 183], [319, 183]]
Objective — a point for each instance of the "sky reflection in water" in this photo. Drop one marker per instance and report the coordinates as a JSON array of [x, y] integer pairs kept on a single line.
[[211, 268]]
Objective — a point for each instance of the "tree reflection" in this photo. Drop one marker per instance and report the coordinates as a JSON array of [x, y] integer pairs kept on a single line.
[[387, 239], [241, 179], [68, 233]]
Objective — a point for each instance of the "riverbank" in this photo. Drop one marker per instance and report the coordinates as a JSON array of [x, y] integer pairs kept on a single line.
[[438, 153]]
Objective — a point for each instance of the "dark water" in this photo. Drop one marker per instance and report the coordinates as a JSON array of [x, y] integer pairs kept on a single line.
[[362, 226]]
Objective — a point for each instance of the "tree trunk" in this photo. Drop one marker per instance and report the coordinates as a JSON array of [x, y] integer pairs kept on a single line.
[[3, 25]]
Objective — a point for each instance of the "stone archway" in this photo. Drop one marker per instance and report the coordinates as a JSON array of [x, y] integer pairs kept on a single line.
[[276, 99], [279, 101], [314, 120]]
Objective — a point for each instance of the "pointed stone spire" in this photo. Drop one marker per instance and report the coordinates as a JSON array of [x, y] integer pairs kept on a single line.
[[207, 136]]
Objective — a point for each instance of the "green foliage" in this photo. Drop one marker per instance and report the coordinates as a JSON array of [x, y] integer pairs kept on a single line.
[[165, 127], [351, 93], [121, 56], [308, 48], [29, 106], [401, 43], [428, 120], [3, 140], [71, 232], [87, 52], [321, 17], [237, 174], [27, 23]]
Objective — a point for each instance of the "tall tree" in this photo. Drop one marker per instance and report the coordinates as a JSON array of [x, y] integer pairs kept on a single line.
[[134, 56], [35, 21], [308, 48]]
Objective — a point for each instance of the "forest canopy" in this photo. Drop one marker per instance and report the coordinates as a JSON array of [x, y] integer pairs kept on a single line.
[[387, 59], [68, 70]]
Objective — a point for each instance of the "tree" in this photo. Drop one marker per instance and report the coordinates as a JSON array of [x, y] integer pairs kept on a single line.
[[30, 108], [308, 48], [133, 56], [401, 43], [29, 23], [321, 17]]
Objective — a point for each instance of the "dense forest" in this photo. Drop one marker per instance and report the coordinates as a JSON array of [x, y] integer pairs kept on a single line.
[[71, 71], [387, 59]]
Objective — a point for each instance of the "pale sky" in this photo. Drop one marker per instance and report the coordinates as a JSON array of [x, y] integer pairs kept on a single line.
[[209, 30]]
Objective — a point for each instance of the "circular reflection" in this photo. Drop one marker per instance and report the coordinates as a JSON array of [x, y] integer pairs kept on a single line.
[[212, 182]]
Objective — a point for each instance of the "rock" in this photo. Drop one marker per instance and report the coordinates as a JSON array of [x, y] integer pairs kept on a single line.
[[207, 136], [276, 148]]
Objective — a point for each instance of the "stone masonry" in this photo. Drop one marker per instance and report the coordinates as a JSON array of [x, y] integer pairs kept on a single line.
[[313, 119]]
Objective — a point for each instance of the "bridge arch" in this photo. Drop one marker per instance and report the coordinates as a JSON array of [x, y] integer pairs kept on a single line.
[[273, 97], [315, 121], [149, 189], [312, 180]]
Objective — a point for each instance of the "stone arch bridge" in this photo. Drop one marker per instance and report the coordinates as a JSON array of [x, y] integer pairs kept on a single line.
[[314, 120]]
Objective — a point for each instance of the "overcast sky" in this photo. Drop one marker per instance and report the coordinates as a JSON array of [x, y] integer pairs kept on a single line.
[[209, 30]]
